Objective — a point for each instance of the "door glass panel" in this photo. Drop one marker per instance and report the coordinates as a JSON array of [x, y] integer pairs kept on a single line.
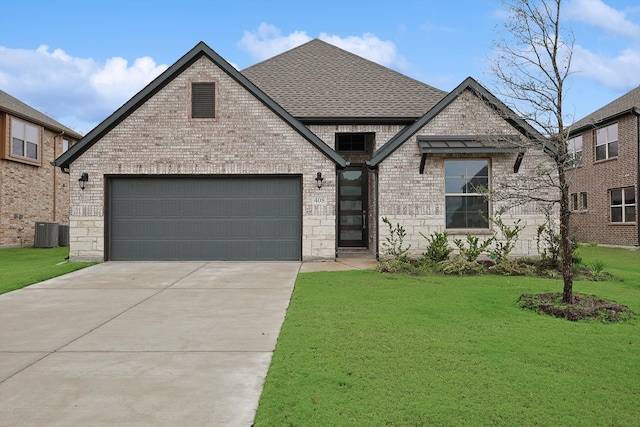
[[351, 235], [351, 205], [351, 219], [351, 190]]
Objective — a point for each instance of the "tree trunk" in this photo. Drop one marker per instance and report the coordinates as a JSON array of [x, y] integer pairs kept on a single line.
[[566, 246]]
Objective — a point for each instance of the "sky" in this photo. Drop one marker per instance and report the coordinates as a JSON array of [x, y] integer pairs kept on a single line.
[[80, 60]]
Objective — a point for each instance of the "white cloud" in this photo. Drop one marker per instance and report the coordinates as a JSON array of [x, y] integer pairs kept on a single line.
[[68, 88], [601, 15], [618, 73], [268, 41]]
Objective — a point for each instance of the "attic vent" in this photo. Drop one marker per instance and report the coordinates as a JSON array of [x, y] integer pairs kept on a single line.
[[203, 100]]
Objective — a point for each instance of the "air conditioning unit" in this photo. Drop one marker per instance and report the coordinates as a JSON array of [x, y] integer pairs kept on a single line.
[[63, 235], [46, 235]]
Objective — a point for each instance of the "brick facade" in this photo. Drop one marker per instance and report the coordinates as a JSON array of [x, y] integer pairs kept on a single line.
[[159, 137], [417, 202], [30, 193], [597, 178]]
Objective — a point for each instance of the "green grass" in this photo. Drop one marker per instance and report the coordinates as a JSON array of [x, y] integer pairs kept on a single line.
[[361, 348], [21, 267]]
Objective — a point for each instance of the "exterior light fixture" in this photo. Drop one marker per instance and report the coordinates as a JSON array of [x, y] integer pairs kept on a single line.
[[83, 180], [319, 179]]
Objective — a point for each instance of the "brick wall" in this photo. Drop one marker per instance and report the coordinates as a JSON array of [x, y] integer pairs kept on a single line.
[[160, 138], [597, 178], [417, 202], [30, 194]]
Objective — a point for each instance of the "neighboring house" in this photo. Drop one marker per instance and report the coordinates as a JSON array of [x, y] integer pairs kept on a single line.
[[604, 176], [296, 158], [31, 189]]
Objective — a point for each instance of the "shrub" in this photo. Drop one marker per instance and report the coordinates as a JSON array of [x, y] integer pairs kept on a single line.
[[473, 249], [503, 249], [438, 249], [461, 266], [394, 244]]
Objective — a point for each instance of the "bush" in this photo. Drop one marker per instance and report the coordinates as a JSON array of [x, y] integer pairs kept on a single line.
[[462, 266], [438, 249], [474, 249], [393, 246], [503, 249]]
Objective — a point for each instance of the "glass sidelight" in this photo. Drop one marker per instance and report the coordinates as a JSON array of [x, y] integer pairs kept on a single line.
[[352, 207]]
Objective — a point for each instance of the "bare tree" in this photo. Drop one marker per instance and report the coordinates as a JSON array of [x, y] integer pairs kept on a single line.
[[532, 64]]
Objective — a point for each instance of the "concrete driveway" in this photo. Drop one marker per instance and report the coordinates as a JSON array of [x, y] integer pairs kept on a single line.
[[162, 343]]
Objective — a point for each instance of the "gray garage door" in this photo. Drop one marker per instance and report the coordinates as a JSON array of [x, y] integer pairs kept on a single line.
[[212, 218]]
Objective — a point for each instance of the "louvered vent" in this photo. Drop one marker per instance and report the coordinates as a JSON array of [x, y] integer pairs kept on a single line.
[[203, 100]]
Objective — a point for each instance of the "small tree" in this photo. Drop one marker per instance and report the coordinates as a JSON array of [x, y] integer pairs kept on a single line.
[[533, 61]]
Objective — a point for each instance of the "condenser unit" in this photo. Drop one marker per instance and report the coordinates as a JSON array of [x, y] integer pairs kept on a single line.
[[46, 235], [63, 235]]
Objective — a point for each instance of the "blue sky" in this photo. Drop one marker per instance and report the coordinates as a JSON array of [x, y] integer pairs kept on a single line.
[[78, 61]]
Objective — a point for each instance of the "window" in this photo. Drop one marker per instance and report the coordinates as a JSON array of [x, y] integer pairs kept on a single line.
[[623, 204], [25, 139], [574, 151], [579, 202], [351, 142], [466, 206], [203, 100], [65, 145], [607, 142]]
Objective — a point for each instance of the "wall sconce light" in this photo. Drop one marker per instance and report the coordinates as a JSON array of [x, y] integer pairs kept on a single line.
[[83, 180], [319, 179]]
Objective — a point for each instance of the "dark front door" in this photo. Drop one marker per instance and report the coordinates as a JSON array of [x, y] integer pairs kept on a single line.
[[352, 207]]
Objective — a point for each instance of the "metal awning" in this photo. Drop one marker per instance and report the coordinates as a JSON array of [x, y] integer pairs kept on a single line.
[[469, 144]]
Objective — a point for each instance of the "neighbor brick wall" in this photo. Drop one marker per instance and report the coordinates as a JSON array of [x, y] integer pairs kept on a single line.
[[597, 178], [246, 137], [417, 202], [30, 194]]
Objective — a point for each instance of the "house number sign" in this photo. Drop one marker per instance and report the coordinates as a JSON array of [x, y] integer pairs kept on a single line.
[[319, 201]]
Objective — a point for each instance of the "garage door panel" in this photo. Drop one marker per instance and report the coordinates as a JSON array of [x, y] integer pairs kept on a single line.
[[193, 218]]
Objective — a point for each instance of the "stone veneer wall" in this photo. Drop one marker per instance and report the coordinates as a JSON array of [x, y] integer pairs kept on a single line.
[[161, 138], [417, 202], [30, 194]]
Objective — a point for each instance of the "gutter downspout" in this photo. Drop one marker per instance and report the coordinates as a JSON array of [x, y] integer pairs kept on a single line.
[[377, 217]]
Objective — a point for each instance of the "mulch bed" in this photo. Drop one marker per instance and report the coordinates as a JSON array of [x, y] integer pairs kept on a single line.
[[582, 307]]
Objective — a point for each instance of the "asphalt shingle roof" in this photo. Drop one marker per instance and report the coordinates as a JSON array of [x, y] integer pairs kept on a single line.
[[625, 103], [319, 80], [18, 108]]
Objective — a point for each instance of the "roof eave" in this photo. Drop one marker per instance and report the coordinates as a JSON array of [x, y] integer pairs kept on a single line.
[[595, 123]]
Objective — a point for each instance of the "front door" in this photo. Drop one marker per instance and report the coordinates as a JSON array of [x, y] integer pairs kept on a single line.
[[352, 207]]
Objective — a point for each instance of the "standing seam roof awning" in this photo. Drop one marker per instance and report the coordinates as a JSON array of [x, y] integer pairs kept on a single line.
[[466, 144]]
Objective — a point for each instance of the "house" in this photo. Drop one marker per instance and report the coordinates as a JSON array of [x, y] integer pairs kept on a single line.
[[295, 158], [31, 189], [603, 173]]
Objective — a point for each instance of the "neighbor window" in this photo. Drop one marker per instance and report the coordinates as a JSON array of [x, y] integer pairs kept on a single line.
[[65, 145], [579, 201], [607, 142], [623, 204], [466, 182], [25, 139], [203, 100], [574, 151]]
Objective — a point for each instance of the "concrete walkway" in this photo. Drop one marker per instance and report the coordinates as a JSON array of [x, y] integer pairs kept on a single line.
[[142, 344]]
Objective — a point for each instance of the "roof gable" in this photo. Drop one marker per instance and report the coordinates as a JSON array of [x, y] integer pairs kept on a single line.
[[469, 83], [19, 109], [318, 80], [201, 49], [628, 102]]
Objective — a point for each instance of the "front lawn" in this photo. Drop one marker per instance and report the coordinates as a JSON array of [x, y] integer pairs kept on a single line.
[[362, 348], [20, 267]]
